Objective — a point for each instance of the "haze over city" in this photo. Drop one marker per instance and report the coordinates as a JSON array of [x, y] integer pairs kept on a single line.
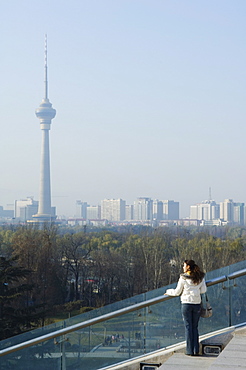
[[150, 100]]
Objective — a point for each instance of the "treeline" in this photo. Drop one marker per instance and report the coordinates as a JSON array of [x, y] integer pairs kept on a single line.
[[42, 270]]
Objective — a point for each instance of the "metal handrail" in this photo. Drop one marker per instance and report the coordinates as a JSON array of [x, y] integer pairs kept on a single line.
[[108, 316], [236, 274], [218, 280]]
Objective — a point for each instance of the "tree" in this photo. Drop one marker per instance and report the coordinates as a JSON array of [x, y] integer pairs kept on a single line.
[[75, 252], [14, 318], [6, 237], [37, 251]]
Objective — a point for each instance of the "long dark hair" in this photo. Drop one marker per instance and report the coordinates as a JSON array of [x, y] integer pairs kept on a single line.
[[195, 273]]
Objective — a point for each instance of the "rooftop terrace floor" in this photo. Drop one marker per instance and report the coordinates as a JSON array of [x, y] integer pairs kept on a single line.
[[233, 356]]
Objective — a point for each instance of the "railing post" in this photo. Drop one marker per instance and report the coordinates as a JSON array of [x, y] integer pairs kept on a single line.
[[129, 342], [230, 298], [145, 327], [230, 302], [63, 355], [89, 338]]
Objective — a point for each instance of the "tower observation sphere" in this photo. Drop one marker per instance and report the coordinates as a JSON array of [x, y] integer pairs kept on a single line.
[[45, 113]]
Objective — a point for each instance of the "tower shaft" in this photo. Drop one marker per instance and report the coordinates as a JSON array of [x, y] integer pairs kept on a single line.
[[44, 207]]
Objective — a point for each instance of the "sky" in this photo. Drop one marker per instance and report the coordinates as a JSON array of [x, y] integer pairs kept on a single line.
[[150, 99]]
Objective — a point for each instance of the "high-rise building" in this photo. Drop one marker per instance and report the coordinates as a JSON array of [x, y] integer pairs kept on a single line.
[[93, 212], [207, 211], [143, 209], [45, 113], [25, 208], [113, 209], [170, 210], [227, 210], [81, 209], [129, 212], [194, 212], [238, 216], [157, 210], [215, 210]]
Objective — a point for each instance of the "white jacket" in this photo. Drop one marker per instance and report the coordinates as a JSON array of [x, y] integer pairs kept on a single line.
[[190, 292]]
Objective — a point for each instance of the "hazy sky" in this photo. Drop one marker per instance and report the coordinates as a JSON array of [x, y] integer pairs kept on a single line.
[[150, 99]]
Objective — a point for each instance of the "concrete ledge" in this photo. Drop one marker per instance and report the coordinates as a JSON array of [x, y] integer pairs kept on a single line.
[[216, 343], [234, 354], [181, 361]]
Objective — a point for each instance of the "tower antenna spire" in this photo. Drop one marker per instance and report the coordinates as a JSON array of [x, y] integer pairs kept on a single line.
[[45, 69]]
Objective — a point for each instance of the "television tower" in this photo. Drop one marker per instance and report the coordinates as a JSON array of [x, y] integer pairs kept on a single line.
[[45, 114]]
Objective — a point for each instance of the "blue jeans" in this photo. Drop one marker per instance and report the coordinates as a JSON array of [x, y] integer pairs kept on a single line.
[[191, 315]]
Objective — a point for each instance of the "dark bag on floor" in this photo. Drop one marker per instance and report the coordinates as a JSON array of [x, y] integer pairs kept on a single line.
[[206, 309]]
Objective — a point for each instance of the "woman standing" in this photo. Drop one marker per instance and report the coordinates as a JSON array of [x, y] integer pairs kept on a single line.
[[190, 286]]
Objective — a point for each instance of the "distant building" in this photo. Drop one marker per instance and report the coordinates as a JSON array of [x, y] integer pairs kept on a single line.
[[25, 208], [238, 213], [157, 210], [129, 212], [208, 210], [81, 209], [180, 222], [143, 209], [113, 209], [170, 210], [227, 210], [98, 223], [194, 212], [6, 213], [212, 213], [217, 222], [94, 213], [76, 221]]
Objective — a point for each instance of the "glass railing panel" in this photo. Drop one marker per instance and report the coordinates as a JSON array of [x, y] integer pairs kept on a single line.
[[31, 334], [164, 325], [218, 296], [237, 266], [71, 321], [106, 343], [237, 300], [44, 356], [225, 270], [126, 336]]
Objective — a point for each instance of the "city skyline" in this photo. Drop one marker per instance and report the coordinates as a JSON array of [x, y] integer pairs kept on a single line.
[[150, 100], [142, 208]]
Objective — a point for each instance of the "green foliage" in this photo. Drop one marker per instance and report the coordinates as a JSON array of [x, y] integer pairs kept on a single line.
[[85, 309], [6, 237], [72, 306]]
